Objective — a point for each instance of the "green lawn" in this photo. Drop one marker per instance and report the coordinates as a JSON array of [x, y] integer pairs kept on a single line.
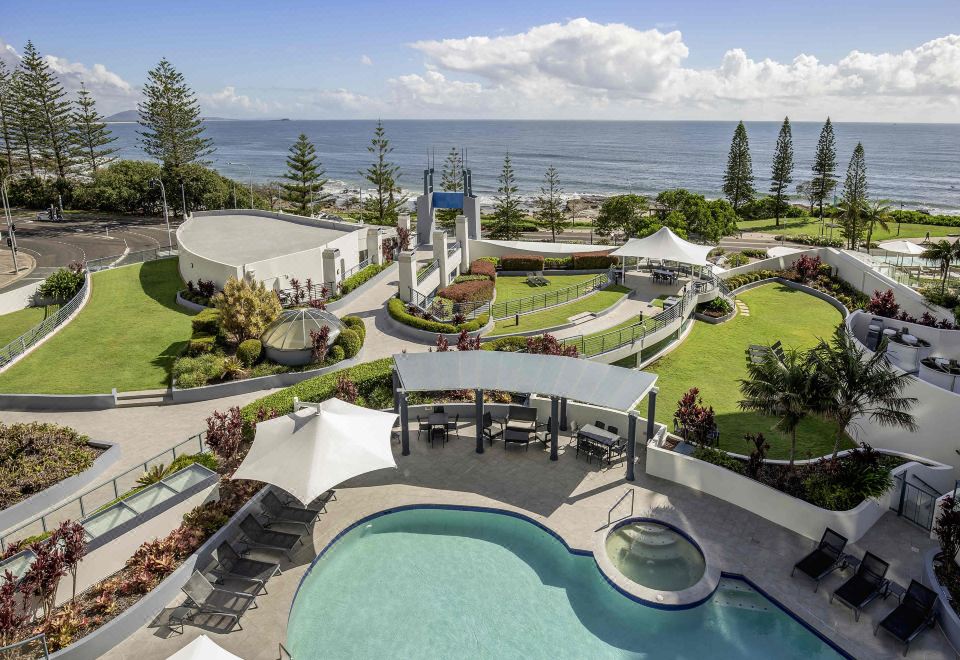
[[14, 324], [513, 287], [794, 226], [712, 359], [597, 342], [595, 302], [126, 337]]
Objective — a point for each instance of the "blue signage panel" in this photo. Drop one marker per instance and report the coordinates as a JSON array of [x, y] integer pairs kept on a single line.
[[447, 200]]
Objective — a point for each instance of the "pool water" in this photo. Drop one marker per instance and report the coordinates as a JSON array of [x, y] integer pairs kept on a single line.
[[655, 556], [448, 583]]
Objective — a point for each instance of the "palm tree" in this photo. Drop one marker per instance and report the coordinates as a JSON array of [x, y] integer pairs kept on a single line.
[[781, 388], [876, 213], [851, 386], [944, 252]]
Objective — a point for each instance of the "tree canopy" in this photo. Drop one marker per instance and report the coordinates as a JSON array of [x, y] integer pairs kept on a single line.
[[738, 179], [304, 176]]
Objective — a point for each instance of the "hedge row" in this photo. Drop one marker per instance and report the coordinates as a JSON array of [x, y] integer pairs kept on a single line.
[[809, 239], [484, 267], [521, 262], [506, 344], [592, 260], [558, 263], [398, 310], [473, 291], [361, 277]]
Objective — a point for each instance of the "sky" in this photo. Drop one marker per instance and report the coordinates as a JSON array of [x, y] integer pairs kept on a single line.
[[855, 60]]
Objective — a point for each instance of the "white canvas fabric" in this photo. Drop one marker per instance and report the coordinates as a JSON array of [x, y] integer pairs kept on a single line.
[[665, 245], [306, 453], [203, 648], [902, 247]]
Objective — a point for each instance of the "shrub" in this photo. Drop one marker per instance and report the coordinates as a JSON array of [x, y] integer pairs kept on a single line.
[[62, 284], [754, 253], [350, 342], [200, 344], [361, 277], [506, 344], [248, 352], [558, 263], [207, 321], [807, 239], [346, 389], [949, 298], [484, 267], [398, 310], [475, 291], [35, 456], [460, 279], [883, 304], [196, 371], [246, 308], [718, 457], [695, 420], [806, 267], [232, 367], [592, 260], [735, 259], [335, 354], [718, 307], [521, 262], [225, 434], [319, 342], [356, 324]]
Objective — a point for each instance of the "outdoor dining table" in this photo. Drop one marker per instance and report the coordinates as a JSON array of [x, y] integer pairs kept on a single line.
[[664, 274], [438, 421], [600, 438]]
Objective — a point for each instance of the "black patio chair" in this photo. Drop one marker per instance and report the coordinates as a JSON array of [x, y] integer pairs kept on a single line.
[[320, 503], [281, 513], [486, 428], [911, 617], [230, 564], [259, 536], [208, 599], [864, 586], [543, 431], [599, 424], [825, 559], [454, 425], [423, 426]]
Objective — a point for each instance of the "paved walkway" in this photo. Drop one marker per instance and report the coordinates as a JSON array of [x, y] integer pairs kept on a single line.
[[572, 498], [626, 310]]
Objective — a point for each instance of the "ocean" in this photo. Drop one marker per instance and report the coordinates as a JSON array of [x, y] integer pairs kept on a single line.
[[917, 165]]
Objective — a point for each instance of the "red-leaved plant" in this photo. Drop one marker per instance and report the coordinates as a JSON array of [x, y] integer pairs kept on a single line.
[[225, 434], [884, 304]]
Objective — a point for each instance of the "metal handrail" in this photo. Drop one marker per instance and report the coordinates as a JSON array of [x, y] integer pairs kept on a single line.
[[537, 302], [452, 248], [19, 346], [55, 516], [128, 258], [42, 637], [633, 497], [356, 269], [426, 272]]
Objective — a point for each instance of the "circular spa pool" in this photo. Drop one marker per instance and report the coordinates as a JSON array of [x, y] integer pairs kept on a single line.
[[453, 583], [655, 556]]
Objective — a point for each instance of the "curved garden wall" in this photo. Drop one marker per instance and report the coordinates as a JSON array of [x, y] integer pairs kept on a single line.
[[947, 617]]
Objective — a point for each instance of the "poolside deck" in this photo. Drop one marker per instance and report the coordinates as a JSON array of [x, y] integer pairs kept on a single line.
[[573, 498]]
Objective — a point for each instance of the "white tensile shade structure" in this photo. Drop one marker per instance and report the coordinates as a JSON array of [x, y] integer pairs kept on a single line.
[[203, 648], [902, 247], [666, 246], [312, 450]]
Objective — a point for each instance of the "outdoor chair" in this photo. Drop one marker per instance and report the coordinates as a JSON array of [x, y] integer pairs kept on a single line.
[[423, 426], [518, 437], [486, 429], [229, 564], [259, 536], [278, 512], [438, 409], [545, 430], [454, 425], [864, 586], [825, 559], [320, 503], [600, 425], [208, 599], [911, 617]]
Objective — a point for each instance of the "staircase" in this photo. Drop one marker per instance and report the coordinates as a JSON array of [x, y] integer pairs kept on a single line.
[[143, 398]]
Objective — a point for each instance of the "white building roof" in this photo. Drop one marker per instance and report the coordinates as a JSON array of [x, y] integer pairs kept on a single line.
[[666, 245]]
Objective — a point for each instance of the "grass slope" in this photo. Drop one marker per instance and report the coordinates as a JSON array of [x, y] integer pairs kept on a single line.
[[126, 337], [595, 302], [14, 324], [811, 226], [712, 359], [513, 287]]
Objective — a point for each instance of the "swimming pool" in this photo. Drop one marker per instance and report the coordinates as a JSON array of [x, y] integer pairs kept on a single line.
[[444, 583]]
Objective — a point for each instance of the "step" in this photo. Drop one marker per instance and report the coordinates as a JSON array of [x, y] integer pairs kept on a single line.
[[141, 402], [577, 319], [142, 394]]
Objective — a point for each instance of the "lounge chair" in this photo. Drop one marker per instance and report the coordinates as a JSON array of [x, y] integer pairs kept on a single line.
[[259, 536], [825, 559], [864, 586], [911, 617], [231, 565], [286, 514], [208, 599]]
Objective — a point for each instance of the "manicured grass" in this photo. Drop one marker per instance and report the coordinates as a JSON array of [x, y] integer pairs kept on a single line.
[[712, 359], [126, 337], [595, 302], [512, 287], [811, 226], [597, 342], [14, 324]]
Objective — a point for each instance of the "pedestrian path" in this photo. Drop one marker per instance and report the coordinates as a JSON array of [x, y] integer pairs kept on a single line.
[[742, 308]]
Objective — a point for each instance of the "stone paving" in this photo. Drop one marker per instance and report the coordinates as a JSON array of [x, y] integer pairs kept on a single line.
[[573, 498]]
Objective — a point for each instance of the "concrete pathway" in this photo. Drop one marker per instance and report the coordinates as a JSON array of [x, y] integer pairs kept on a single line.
[[8, 276], [742, 308], [628, 309]]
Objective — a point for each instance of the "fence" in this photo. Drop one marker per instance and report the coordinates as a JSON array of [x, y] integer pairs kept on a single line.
[[31, 647], [102, 494], [427, 270], [452, 248], [21, 344], [536, 302], [128, 258]]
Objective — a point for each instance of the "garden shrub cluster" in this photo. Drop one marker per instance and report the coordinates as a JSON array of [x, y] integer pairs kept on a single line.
[[201, 293], [754, 253], [248, 351], [522, 262], [735, 259], [716, 308], [505, 344], [484, 267], [63, 284], [470, 291], [400, 312], [361, 277], [809, 239], [823, 280], [460, 279], [592, 260], [36, 455], [558, 263]]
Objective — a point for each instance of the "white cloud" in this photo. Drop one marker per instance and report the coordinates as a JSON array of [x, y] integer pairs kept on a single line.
[[229, 102], [365, 60]]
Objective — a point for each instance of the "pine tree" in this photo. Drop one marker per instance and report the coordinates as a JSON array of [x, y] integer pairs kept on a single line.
[[305, 176], [7, 117], [824, 166], [451, 181], [53, 110], [550, 205], [26, 124], [507, 215], [91, 138], [854, 198], [170, 117], [738, 180], [781, 174], [384, 207]]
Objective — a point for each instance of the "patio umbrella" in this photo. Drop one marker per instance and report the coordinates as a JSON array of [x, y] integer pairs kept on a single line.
[[203, 648], [902, 247], [310, 451]]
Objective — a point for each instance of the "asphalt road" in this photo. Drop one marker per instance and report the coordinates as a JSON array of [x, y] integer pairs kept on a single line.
[[81, 237]]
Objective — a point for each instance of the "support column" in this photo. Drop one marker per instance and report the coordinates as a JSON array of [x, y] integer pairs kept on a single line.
[[651, 411], [330, 262], [631, 444], [462, 234], [554, 426], [478, 393], [408, 274], [403, 220], [396, 390], [375, 245], [404, 423], [563, 413], [440, 254]]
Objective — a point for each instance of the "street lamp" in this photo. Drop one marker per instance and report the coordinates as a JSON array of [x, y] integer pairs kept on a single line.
[[183, 198], [250, 171], [166, 217], [9, 218]]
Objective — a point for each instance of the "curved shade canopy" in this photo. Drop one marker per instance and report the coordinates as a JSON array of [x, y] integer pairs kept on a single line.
[[667, 246], [902, 247], [291, 330]]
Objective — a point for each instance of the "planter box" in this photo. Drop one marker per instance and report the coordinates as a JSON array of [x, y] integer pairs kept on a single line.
[[37, 503], [400, 329], [189, 304], [948, 619]]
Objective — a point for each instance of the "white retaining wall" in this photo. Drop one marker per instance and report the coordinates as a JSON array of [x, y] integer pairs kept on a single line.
[[19, 298]]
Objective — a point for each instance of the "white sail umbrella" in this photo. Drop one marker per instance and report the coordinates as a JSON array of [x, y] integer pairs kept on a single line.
[[203, 648], [310, 451], [902, 247]]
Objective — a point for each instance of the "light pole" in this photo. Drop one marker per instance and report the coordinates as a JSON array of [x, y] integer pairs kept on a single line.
[[183, 199], [166, 217], [9, 218], [250, 172]]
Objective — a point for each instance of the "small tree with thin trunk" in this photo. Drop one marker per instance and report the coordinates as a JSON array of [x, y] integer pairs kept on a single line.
[[92, 138], [738, 179], [781, 174], [550, 203], [854, 198], [507, 215], [304, 175], [385, 205], [451, 180], [824, 166]]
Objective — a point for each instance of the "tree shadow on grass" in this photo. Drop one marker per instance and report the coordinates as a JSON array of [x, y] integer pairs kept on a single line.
[[814, 439], [160, 280], [167, 357]]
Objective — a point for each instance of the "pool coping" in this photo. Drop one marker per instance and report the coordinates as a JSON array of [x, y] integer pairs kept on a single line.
[[572, 550]]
